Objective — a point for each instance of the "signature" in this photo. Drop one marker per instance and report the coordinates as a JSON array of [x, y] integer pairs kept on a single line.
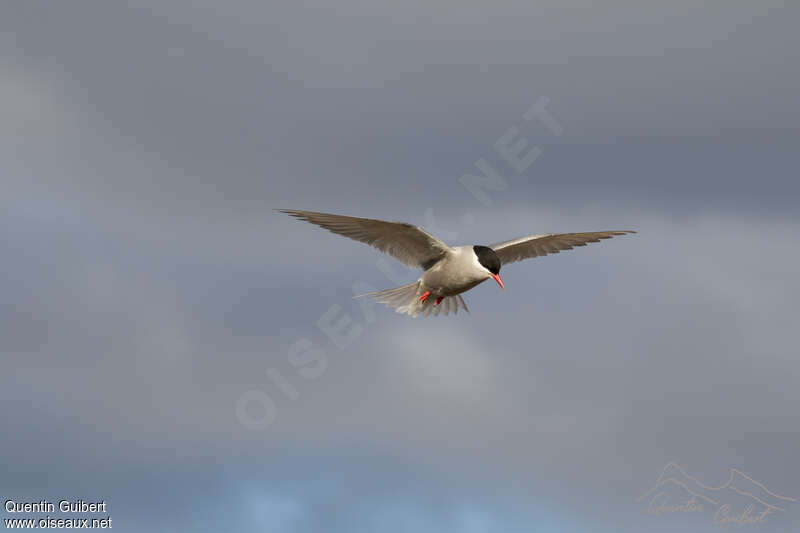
[[740, 500]]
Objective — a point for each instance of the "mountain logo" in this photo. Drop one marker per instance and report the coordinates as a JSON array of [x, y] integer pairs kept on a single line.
[[740, 500]]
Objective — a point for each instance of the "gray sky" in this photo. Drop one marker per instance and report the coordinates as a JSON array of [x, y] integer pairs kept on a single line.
[[149, 286]]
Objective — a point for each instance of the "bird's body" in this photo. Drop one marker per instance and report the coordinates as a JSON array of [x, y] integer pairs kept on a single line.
[[438, 289], [458, 271], [448, 271]]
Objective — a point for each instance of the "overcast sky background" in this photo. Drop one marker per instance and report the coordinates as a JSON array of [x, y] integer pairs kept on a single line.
[[148, 286]]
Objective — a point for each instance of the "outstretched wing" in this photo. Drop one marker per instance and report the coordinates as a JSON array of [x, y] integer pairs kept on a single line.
[[408, 244], [536, 245]]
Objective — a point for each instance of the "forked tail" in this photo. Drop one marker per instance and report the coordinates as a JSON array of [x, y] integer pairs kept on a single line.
[[406, 299]]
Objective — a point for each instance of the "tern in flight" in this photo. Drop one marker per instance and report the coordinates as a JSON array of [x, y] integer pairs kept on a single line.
[[448, 270]]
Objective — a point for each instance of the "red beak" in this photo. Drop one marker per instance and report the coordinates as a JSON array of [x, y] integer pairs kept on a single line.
[[498, 280]]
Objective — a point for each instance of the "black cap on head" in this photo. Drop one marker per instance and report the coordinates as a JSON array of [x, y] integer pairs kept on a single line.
[[488, 258]]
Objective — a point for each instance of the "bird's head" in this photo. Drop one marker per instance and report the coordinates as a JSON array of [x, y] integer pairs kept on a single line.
[[490, 263]]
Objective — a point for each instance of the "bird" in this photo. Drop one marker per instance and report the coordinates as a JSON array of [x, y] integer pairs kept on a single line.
[[448, 270]]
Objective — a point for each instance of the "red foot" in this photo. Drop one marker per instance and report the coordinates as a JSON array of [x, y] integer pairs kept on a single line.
[[424, 296], [438, 300]]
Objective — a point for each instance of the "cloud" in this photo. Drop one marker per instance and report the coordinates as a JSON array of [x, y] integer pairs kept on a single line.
[[148, 283]]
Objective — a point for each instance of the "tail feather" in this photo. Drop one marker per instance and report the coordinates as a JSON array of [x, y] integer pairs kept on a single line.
[[405, 299]]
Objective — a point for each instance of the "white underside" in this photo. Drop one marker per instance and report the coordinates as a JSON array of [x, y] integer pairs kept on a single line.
[[406, 299]]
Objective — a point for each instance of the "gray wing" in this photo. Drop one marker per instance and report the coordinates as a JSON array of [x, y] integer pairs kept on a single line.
[[536, 245], [408, 244]]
